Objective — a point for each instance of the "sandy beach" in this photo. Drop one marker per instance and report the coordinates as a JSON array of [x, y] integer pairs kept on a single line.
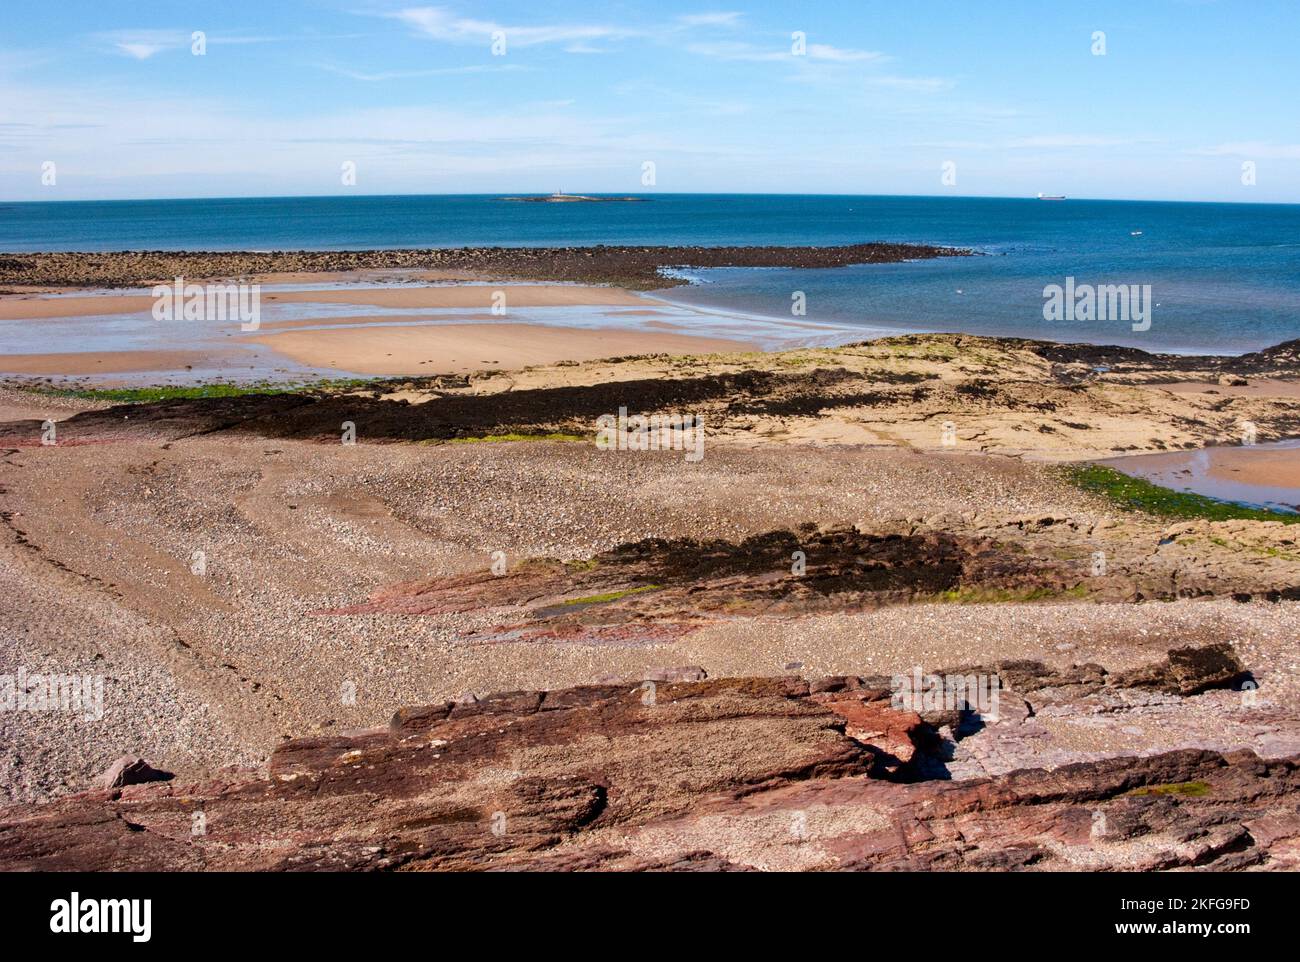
[[1276, 467], [83, 363], [378, 349], [476, 296], [473, 332], [1261, 387]]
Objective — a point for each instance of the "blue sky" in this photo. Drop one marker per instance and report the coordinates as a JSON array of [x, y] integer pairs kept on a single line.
[[883, 95]]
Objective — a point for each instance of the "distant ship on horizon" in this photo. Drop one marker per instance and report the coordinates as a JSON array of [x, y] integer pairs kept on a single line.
[[1042, 196]]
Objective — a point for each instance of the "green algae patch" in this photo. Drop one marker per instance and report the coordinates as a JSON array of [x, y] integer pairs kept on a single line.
[[169, 392], [1190, 789], [610, 596], [1136, 494], [980, 596]]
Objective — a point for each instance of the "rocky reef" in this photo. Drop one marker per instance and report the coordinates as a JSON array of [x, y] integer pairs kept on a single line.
[[658, 589], [637, 268]]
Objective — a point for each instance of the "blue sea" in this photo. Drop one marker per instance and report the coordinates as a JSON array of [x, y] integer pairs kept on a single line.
[[1223, 277]]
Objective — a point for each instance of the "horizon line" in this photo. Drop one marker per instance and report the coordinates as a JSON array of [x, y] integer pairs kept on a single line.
[[702, 193]]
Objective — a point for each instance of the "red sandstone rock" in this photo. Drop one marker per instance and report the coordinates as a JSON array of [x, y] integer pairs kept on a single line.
[[894, 735], [716, 775], [130, 770]]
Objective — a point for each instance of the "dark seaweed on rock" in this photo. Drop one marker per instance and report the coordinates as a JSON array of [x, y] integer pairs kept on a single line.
[[638, 268]]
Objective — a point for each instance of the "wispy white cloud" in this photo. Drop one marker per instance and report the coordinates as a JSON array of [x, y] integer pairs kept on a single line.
[[106, 141], [679, 102], [742, 50], [1252, 149], [1068, 141], [737, 50], [824, 51], [914, 84], [719, 19], [376, 77], [143, 44], [140, 51], [443, 25], [1038, 142], [439, 23]]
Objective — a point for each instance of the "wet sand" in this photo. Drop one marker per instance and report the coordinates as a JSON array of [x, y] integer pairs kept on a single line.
[[1263, 387], [1276, 466], [112, 362], [456, 348], [1261, 474], [367, 319], [305, 331], [477, 296]]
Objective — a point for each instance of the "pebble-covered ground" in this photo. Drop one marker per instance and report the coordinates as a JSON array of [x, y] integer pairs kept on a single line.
[[191, 576]]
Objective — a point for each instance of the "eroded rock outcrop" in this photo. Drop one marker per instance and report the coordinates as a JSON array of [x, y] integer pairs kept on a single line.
[[658, 589], [713, 775]]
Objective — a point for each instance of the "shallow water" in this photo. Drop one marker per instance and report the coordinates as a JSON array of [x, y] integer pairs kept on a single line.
[[1230, 473], [1223, 276], [237, 358], [140, 330]]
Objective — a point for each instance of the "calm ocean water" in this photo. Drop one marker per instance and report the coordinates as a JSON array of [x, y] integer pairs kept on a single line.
[[1224, 277]]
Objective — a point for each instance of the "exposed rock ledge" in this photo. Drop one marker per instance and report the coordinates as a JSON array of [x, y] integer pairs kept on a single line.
[[634, 267], [723, 774]]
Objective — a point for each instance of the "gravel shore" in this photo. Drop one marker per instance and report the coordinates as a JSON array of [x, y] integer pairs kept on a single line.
[[217, 668]]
